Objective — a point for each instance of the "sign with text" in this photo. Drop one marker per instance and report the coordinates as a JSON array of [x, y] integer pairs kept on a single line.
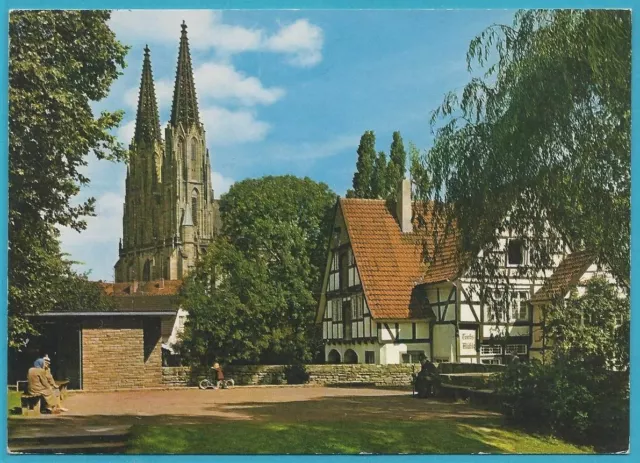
[[467, 342]]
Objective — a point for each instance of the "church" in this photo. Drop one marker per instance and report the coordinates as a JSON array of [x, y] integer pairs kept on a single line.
[[170, 215]]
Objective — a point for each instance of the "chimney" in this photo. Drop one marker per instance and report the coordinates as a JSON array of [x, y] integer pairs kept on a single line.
[[404, 211], [134, 287]]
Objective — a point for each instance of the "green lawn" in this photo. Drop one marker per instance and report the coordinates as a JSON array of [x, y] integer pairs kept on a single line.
[[391, 436], [13, 400]]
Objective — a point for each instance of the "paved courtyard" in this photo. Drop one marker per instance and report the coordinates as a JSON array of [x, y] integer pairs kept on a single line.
[[95, 411]]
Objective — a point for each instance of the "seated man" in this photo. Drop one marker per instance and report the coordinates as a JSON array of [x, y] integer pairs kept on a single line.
[[38, 385], [427, 377], [51, 381]]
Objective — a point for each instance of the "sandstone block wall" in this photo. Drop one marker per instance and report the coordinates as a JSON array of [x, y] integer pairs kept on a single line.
[[379, 375], [112, 354], [121, 353]]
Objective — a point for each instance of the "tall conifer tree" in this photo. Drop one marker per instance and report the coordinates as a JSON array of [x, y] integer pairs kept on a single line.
[[379, 186], [397, 163], [365, 165]]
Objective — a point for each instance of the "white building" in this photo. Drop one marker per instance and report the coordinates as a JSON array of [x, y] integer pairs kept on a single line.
[[382, 304]]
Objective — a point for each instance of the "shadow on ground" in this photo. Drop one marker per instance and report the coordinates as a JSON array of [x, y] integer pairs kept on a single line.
[[323, 425]]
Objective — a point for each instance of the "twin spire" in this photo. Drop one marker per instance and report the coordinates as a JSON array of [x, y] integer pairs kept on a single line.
[[147, 119], [185, 105]]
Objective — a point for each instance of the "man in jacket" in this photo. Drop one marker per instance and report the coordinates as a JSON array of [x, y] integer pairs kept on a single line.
[[51, 381], [38, 384]]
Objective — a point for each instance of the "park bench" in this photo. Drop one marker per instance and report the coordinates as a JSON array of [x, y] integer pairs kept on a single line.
[[457, 391], [31, 404], [476, 396]]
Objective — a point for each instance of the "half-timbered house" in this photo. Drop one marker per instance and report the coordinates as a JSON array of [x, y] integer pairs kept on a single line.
[[381, 303]]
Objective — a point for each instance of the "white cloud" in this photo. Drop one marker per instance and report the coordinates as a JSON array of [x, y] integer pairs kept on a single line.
[[223, 81], [215, 81], [126, 131], [301, 40], [227, 127], [221, 184], [105, 227]]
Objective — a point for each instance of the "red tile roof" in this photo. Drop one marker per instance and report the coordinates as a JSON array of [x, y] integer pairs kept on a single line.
[[390, 262], [145, 288], [566, 276]]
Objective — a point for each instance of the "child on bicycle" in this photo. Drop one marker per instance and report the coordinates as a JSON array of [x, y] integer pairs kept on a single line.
[[219, 375]]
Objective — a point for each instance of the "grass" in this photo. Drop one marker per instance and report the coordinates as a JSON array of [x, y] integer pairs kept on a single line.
[[13, 400], [344, 437]]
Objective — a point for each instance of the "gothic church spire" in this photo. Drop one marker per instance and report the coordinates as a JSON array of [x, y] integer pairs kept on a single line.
[[185, 105], [147, 119]]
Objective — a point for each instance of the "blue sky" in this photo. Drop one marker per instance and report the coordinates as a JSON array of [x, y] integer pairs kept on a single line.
[[283, 92]]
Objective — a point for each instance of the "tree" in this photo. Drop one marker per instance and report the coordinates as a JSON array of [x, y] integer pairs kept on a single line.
[[581, 392], [59, 62], [418, 171], [396, 169], [365, 166], [229, 298], [379, 186], [275, 231], [592, 329], [543, 138]]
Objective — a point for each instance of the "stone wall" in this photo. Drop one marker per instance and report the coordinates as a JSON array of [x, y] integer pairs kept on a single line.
[[177, 377], [340, 374], [112, 354], [121, 353]]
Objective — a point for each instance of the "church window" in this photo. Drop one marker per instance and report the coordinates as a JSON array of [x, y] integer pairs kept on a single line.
[[194, 150], [194, 207]]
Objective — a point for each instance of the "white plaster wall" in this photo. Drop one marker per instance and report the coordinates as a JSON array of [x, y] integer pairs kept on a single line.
[[444, 342], [392, 353], [466, 314], [359, 349], [178, 326], [422, 330], [384, 353]]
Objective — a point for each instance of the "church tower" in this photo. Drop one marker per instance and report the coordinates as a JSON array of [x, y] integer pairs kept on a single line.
[[170, 216]]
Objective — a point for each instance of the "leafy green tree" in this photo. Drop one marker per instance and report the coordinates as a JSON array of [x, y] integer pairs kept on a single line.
[[379, 186], [396, 169], [593, 328], [229, 298], [362, 179], [543, 138], [277, 230], [59, 62], [581, 392]]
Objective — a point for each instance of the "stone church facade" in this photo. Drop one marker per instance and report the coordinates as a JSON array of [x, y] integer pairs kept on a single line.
[[170, 215]]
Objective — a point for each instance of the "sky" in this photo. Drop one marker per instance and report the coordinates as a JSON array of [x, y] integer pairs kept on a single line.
[[281, 92]]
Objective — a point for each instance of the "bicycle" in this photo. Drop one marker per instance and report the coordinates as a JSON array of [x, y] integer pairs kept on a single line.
[[209, 384]]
